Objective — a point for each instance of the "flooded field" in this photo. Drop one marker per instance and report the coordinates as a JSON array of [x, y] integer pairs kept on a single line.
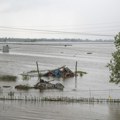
[[22, 58], [95, 83]]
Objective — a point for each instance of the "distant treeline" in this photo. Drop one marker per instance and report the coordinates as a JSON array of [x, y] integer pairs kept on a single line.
[[50, 40]]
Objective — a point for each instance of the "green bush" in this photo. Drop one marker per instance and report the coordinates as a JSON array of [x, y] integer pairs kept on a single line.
[[114, 65], [8, 78]]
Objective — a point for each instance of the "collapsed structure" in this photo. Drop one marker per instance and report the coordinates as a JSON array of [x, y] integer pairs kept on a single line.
[[62, 72], [47, 85]]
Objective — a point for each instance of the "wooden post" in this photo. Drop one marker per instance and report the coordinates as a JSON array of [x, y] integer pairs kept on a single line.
[[39, 77], [76, 75], [90, 93]]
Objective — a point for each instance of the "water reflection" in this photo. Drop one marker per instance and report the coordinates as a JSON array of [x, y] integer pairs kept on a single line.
[[114, 112], [22, 110]]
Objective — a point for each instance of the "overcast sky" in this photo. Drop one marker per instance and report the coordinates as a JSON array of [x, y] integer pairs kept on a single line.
[[86, 16]]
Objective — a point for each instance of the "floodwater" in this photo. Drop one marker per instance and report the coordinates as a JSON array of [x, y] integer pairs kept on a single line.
[[19, 110], [95, 83]]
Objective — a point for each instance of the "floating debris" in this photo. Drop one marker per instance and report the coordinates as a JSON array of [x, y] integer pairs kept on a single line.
[[59, 86], [89, 52], [41, 85], [47, 85], [23, 87], [5, 86]]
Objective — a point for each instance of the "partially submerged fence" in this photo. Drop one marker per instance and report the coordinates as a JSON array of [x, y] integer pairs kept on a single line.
[[111, 95], [60, 99]]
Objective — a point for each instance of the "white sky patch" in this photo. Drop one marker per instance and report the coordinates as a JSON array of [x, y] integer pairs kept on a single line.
[[92, 16]]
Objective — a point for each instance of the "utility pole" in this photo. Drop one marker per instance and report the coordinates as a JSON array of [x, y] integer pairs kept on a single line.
[[76, 75], [39, 76]]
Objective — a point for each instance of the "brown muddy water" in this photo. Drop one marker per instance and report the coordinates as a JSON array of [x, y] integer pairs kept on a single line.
[[22, 58], [19, 110]]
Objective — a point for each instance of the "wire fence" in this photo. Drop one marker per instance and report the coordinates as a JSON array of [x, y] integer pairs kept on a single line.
[[34, 94]]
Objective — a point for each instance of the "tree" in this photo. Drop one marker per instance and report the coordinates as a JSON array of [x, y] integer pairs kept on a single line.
[[114, 65]]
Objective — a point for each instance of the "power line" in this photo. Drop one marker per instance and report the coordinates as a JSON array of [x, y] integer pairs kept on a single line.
[[56, 32]]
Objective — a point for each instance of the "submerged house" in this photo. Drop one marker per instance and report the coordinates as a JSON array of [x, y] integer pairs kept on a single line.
[[62, 72], [5, 49]]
